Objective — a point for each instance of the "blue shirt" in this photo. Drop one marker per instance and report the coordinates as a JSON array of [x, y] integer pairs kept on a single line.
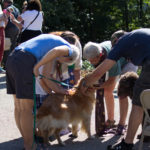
[[134, 46], [42, 44]]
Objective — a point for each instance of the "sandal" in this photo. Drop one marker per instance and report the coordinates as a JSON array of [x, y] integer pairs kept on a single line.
[[121, 129]]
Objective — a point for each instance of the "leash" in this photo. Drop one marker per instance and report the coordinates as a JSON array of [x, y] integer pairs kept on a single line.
[[34, 110], [34, 96], [61, 83]]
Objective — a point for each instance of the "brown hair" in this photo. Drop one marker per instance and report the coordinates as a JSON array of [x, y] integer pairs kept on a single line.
[[67, 35], [116, 35], [34, 5]]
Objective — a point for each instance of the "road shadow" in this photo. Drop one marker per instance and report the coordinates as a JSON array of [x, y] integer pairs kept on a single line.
[[2, 82], [16, 144], [95, 144], [2, 78], [146, 146], [71, 144]]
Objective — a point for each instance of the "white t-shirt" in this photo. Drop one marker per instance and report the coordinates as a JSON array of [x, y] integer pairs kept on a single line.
[[38, 87], [28, 16], [78, 63], [2, 23]]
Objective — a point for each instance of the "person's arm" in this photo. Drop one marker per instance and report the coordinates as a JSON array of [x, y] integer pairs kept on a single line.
[[16, 22], [77, 75], [109, 82], [19, 18], [59, 51], [99, 72], [45, 87], [47, 71]]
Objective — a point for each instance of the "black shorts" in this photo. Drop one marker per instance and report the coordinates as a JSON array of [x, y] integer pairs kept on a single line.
[[19, 74], [142, 83], [29, 34]]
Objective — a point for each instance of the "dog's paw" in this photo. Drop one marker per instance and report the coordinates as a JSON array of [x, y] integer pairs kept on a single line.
[[73, 136]]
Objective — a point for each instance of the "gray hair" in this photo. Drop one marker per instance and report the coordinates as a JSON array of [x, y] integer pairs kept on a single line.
[[74, 56], [91, 50]]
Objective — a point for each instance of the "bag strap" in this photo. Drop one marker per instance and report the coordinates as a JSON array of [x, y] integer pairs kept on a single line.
[[32, 21]]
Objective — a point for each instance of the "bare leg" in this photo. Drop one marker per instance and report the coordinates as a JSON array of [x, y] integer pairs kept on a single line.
[[17, 113], [123, 110], [26, 122], [134, 122], [109, 98]]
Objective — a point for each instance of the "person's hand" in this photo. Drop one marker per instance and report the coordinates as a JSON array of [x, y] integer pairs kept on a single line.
[[72, 91], [36, 71], [6, 12], [12, 17]]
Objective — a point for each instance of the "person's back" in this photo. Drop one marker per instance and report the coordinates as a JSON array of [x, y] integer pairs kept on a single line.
[[32, 20], [11, 31], [134, 46]]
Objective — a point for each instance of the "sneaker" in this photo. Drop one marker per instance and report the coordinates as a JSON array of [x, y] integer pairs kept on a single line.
[[121, 129], [2, 71], [109, 131], [64, 132], [120, 146], [110, 127]]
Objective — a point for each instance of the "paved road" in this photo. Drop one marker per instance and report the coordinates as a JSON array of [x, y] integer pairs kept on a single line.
[[10, 138]]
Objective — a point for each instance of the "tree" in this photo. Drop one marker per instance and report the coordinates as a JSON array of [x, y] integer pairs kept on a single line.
[[94, 20]]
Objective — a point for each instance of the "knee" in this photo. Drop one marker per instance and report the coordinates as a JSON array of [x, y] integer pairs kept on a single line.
[[23, 109]]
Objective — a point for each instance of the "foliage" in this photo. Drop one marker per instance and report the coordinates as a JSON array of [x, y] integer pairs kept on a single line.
[[94, 20], [139, 70], [87, 66]]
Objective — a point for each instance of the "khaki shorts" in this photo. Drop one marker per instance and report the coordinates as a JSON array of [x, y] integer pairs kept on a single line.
[[142, 83]]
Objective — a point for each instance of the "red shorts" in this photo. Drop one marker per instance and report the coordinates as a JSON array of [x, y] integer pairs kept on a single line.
[[2, 36]]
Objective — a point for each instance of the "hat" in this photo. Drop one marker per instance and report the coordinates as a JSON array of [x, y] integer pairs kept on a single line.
[[116, 35], [10, 1]]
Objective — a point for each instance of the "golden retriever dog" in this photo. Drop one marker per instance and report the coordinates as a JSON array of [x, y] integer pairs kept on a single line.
[[58, 111]]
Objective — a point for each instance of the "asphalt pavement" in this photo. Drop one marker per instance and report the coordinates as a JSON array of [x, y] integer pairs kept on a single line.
[[10, 138]]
